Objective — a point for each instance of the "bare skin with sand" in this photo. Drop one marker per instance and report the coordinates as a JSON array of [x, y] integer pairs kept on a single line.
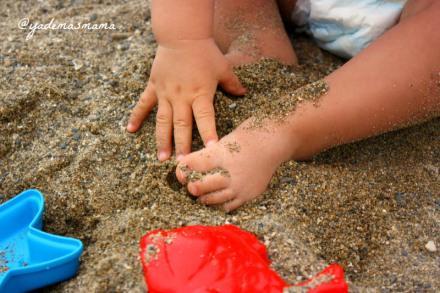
[[377, 91]]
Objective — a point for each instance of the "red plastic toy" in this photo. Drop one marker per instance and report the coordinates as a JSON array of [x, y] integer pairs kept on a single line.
[[218, 259]]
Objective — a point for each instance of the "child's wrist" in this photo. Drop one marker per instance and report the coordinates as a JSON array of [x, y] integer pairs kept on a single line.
[[294, 146], [289, 143], [182, 20], [306, 142], [295, 143]]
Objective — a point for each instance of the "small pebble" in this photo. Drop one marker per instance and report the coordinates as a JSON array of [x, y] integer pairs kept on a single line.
[[123, 47], [93, 17], [120, 36], [113, 83], [437, 204], [433, 170], [9, 62], [288, 180], [430, 246], [229, 124], [400, 198], [76, 136], [77, 64]]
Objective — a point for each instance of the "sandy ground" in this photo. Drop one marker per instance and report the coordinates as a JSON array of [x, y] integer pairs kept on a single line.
[[64, 100]]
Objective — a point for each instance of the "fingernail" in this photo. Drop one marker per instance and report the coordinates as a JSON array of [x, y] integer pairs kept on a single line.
[[179, 158], [162, 156], [192, 189], [179, 174]]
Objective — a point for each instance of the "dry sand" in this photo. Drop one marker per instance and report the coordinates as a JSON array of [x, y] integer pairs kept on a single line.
[[65, 98]]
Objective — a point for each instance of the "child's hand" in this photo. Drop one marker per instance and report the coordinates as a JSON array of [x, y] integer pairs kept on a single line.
[[183, 81]]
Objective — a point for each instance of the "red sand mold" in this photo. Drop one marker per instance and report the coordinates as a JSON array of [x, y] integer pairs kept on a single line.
[[218, 259]]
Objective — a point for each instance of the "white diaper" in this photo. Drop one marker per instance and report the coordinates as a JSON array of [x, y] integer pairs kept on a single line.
[[345, 27]]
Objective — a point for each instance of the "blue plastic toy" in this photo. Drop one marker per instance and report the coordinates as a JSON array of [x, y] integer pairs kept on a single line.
[[30, 258]]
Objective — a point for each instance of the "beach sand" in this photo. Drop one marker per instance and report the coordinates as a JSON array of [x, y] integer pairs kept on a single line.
[[65, 97]]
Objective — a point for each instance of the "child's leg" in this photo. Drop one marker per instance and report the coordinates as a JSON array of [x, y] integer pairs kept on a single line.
[[251, 29], [393, 82]]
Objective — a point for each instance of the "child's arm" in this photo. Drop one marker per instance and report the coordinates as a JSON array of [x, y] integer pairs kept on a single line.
[[394, 82], [184, 76]]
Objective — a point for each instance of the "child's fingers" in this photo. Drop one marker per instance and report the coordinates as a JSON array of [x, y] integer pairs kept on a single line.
[[232, 84], [204, 115], [217, 197], [232, 204], [208, 184], [180, 174], [164, 127], [182, 116], [146, 103], [200, 161]]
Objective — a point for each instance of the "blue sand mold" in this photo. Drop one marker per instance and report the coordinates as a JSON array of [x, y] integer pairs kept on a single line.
[[30, 258]]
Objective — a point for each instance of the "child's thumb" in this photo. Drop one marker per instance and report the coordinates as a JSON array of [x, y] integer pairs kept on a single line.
[[230, 83]]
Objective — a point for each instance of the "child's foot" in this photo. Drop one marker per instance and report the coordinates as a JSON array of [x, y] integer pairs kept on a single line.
[[236, 169], [251, 48]]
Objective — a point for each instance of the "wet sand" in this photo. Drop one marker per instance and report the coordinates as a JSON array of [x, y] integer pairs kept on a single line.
[[64, 101]]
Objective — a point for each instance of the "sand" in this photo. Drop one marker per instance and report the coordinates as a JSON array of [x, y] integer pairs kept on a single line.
[[64, 101]]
